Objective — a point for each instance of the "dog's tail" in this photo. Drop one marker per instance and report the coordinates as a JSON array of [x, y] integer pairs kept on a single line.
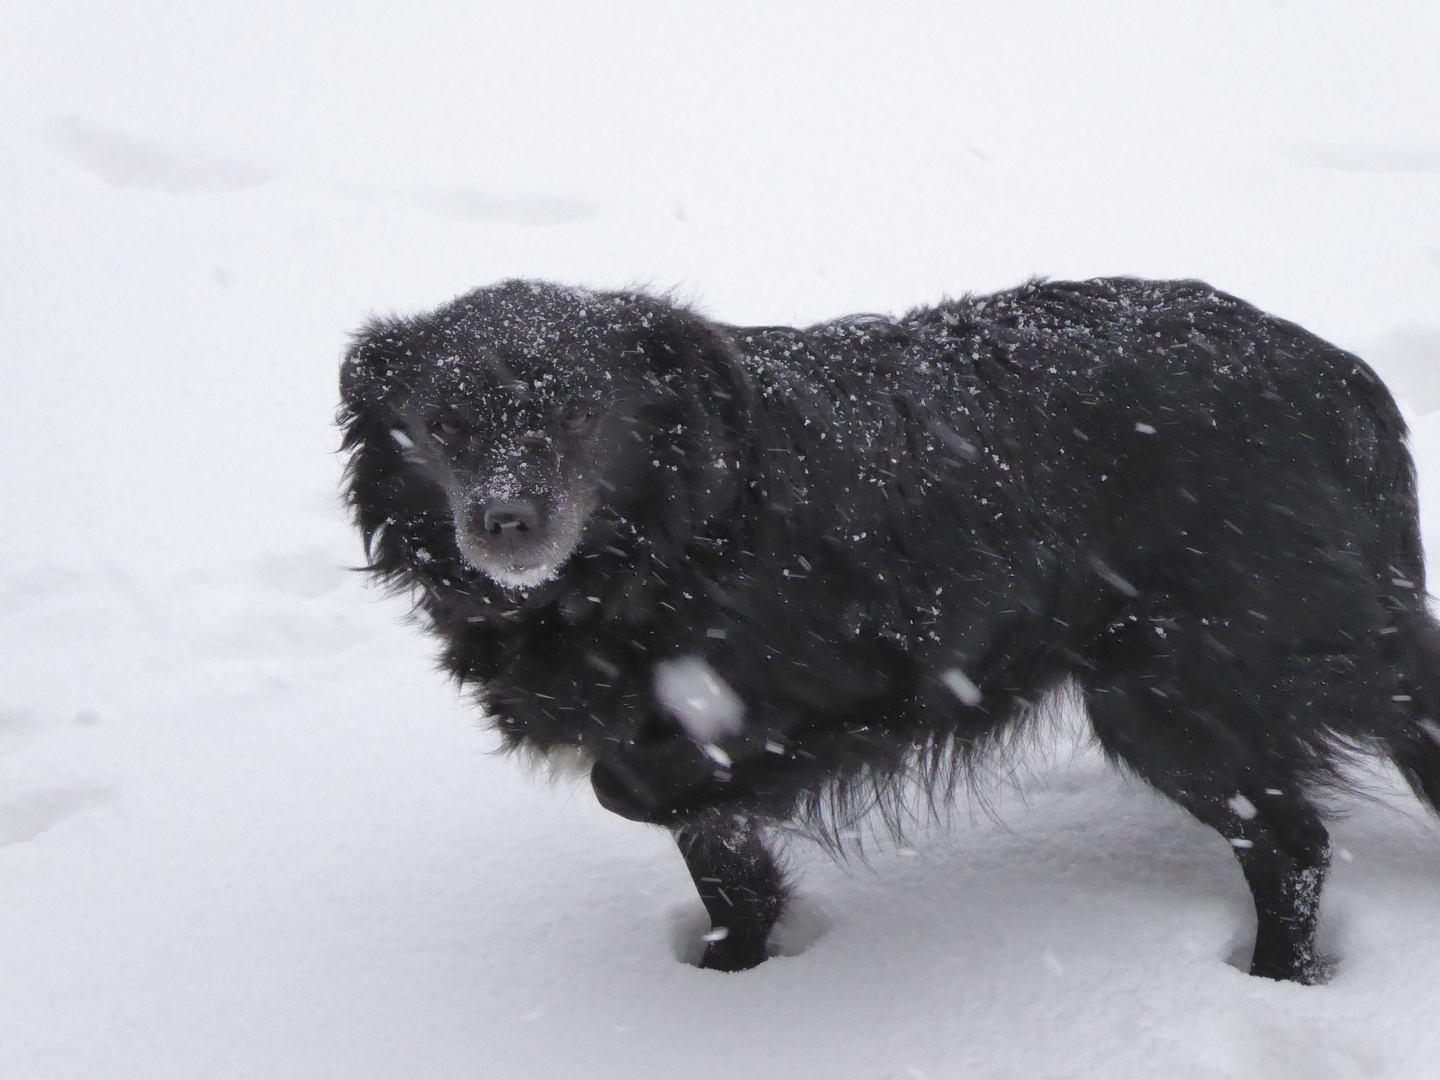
[[1380, 437], [1413, 635], [1411, 640], [1415, 748]]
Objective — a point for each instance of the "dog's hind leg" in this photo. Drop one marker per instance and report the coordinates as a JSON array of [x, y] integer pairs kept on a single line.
[[741, 886], [1284, 851], [1253, 800]]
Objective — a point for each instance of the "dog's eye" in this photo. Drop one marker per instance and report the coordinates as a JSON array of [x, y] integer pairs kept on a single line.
[[577, 419], [446, 425]]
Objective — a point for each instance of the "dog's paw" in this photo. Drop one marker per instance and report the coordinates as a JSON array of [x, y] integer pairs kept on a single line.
[[727, 951]]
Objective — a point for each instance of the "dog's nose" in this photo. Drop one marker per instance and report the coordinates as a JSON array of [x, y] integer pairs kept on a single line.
[[520, 515]]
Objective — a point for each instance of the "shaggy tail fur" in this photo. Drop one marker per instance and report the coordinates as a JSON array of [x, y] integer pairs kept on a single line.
[[1416, 750], [1414, 636]]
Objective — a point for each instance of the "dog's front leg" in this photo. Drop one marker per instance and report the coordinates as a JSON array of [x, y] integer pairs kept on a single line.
[[741, 885]]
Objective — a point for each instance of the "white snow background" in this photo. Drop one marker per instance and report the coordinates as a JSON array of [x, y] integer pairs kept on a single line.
[[246, 831]]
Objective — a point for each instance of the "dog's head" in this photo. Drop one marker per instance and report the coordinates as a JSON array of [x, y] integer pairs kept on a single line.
[[494, 429]]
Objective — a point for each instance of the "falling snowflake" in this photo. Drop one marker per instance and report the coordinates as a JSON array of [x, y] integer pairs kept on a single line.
[[692, 692]]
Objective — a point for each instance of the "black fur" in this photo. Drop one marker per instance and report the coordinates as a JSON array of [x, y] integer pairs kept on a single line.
[[891, 539]]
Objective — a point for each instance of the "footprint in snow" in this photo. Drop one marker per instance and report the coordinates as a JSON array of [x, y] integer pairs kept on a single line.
[[25, 816], [128, 161]]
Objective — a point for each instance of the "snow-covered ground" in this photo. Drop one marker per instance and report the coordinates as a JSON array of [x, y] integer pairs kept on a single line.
[[247, 832]]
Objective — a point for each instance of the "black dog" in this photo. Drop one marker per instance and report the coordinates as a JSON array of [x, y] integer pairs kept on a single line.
[[770, 575]]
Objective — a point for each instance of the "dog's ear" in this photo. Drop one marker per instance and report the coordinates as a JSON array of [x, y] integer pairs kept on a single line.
[[404, 519], [696, 361], [698, 358], [374, 365]]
